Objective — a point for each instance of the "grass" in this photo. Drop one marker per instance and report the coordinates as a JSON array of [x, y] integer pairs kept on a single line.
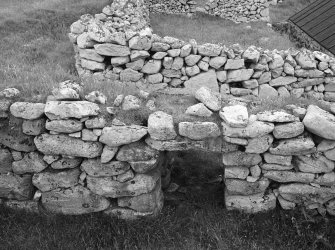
[[36, 56]]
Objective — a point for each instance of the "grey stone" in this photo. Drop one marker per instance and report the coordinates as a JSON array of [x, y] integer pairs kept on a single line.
[[137, 152], [259, 145], [254, 129], [94, 167], [239, 75], [161, 126], [275, 116], [66, 163], [278, 159], [242, 187], [199, 130], [199, 110], [16, 187], [64, 126], [294, 146], [289, 176], [288, 130], [235, 116], [239, 158], [236, 172], [206, 79], [31, 163], [109, 49], [315, 165], [207, 96], [27, 110]]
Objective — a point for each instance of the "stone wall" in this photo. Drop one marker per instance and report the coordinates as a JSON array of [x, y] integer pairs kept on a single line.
[[118, 45], [237, 11], [69, 156]]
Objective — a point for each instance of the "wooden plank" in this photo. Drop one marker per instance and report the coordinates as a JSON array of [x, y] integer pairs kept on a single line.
[[316, 14], [318, 24], [329, 42], [325, 33], [309, 10], [303, 11]]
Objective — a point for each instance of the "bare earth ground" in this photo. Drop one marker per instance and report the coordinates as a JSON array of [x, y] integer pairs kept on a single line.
[[36, 55]]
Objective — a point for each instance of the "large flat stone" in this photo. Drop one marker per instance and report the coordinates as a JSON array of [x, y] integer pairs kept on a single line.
[[49, 180], [251, 204], [137, 151], [294, 146], [69, 146], [254, 129], [289, 176], [315, 165], [57, 110], [242, 187], [161, 127], [205, 79], [140, 184], [72, 201], [239, 158], [199, 130], [239, 75], [288, 130], [320, 122], [304, 193], [31, 163], [94, 167], [120, 135], [109, 49]]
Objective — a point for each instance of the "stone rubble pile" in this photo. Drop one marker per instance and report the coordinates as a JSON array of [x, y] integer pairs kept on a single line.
[[237, 11], [110, 47]]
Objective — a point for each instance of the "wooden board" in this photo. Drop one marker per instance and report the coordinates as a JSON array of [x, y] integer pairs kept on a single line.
[[318, 21]]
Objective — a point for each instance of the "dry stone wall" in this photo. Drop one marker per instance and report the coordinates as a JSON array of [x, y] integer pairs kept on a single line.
[[66, 156], [238, 11], [118, 45]]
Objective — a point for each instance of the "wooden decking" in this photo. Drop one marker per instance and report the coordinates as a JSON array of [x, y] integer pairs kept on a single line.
[[318, 21]]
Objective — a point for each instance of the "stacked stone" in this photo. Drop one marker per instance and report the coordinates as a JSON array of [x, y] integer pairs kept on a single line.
[[279, 159], [61, 156], [134, 54], [237, 11]]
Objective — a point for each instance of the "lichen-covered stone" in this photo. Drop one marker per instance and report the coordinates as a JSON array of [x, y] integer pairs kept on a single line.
[[31, 163], [239, 158], [66, 145], [94, 167], [72, 201], [199, 130], [27, 110], [161, 126], [49, 180], [120, 135], [294, 146]]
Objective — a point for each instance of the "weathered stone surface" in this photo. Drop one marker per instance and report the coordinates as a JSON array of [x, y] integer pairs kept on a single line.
[[239, 158], [259, 145], [242, 187], [97, 97], [308, 82], [330, 154], [207, 96], [140, 184], [96, 122], [90, 54], [152, 67], [236, 172], [191, 60], [161, 127], [120, 135], [282, 81], [209, 49], [286, 205], [330, 205], [136, 152], [238, 141], [235, 116], [33, 127], [278, 159], [75, 200], [140, 43], [289, 176], [326, 145], [64, 163], [65, 145], [275, 116], [64, 126], [303, 193], [16, 187], [254, 129], [251, 54], [49, 180], [108, 49], [316, 165], [277, 167], [92, 65], [294, 146], [205, 79], [143, 167], [27, 110], [130, 75], [57, 110], [265, 91], [5, 161], [182, 143], [131, 102], [327, 179], [288, 130], [320, 122], [305, 60], [251, 204], [144, 203], [108, 153], [94, 167], [234, 64], [239, 75], [31, 163], [199, 130], [217, 62], [199, 110]]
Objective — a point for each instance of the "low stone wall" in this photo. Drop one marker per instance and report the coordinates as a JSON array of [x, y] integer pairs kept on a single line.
[[118, 45], [68, 156], [237, 11]]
